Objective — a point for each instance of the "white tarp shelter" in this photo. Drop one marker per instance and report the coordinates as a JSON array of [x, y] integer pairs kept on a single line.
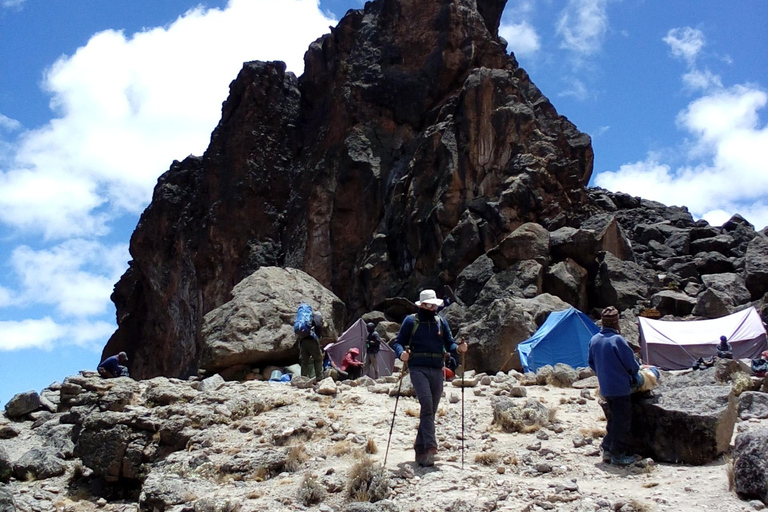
[[678, 345], [355, 337]]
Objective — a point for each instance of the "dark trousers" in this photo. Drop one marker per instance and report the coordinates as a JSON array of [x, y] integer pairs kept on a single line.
[[428, 384], [311, 358], [616, 441]]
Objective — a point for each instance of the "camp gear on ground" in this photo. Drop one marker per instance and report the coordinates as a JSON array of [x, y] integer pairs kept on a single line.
[[275, 376], [563, 338], [678, 345]]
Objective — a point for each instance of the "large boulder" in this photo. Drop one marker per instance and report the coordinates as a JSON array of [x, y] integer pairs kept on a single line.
[[756, 269], [519, 414], [750, 464], [528, 242], [472, 279], [568, 281], [257, 324], [38, 463], [753, 404], [610, 236], [6, 466], [22, 403], [729, 284], [690, 425], [7, 503], [712, 303], [580, 245], [495, 330], [673, 302], [113, 453], [622, 283]]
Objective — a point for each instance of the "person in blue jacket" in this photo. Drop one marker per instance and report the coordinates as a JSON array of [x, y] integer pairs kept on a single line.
[[421, 342], [114, 366], [612, 359]]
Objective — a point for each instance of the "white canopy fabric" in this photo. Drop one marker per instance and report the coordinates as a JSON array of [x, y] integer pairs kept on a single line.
[[678, 345], [355, 336]]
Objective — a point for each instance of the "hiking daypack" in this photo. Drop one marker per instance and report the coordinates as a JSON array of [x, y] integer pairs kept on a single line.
[[440, 321], [304, 326]]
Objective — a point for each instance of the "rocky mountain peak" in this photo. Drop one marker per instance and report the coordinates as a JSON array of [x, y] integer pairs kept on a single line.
[[412, 145]]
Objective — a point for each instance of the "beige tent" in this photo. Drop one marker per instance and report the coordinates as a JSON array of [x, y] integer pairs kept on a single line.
[[678, 345]]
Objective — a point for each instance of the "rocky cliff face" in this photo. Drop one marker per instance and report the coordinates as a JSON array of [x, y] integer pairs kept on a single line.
[[412, 145]]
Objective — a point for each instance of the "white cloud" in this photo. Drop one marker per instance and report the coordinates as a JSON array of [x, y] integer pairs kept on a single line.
[[76, 276], [582, 26], [522, 38], [729, 153], [701, 80], [576, 89], [129, 105], [16, 335], [13, 3], [685, 43], [46, 333], [6, 297], [6, 123]]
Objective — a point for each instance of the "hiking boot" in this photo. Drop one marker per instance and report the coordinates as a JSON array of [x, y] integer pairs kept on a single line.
[[622, 460], [607, 456], [429, 457], [420, 458]]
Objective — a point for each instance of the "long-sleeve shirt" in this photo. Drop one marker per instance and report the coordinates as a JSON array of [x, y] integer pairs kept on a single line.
[[613, 361], [428, 343], [349, 360]]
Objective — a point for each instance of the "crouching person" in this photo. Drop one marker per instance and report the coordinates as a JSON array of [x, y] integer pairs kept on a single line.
[[114, 366], [614, 363]]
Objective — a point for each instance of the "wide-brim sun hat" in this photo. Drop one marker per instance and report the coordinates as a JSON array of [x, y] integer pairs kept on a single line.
[[429, 297]]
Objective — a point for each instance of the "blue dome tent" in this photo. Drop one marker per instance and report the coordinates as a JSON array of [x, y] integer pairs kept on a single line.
[[563, 338]]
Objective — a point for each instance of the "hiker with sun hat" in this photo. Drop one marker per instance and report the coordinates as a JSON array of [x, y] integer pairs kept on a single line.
[[421, 343]]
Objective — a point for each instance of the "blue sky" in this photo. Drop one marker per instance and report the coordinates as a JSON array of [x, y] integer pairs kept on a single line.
[[97, 98]]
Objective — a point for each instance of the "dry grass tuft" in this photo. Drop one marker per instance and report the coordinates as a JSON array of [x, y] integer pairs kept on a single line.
[[412, 412], [297, 456], [311, 491], [367, 481], [741, 382], [593, 432], [370, 447], [254, 495], [639, 506], [341, 448], [487, 458], [442, 412], [552, 415], [510, 460], [730, 473]]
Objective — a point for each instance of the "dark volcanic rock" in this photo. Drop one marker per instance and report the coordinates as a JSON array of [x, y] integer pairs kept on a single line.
[[692, 425], [622, 283], [411, 146], [750, 464], [39, 463], [567, 280], [6, 466], [671, 302], [22, 403], [756, 270]]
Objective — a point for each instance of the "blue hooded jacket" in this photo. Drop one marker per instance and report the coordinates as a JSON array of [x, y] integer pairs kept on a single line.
[[430, 341], [613, 361]]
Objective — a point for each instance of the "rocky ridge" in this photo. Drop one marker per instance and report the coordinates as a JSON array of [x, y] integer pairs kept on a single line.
[[531, 442]]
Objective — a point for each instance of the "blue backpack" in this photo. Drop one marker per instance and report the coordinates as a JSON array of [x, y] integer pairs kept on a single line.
[[303, 326]]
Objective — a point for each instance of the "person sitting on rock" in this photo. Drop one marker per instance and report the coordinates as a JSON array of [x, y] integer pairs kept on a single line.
[[724, 350], [613, 361], [114, 366], [330, 369], [373, 345], [351, 365]]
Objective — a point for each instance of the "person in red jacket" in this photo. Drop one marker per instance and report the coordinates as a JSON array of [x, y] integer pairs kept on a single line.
[[351, 364]]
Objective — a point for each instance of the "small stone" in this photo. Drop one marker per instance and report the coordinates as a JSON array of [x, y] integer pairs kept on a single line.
[[757, 504], [534, 447], [543, 467], [326, 387], [485, 381], [518, 392], [454, 398], [542, 435], [579, 441], [501, 470], [101, 503]]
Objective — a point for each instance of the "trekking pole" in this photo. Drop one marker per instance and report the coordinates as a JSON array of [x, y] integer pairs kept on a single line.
[[397, 399], [463, 370]]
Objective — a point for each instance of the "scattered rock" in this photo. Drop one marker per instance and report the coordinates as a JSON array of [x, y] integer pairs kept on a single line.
[[750, 464], [22, 403], [326, 386], [39, 463]]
